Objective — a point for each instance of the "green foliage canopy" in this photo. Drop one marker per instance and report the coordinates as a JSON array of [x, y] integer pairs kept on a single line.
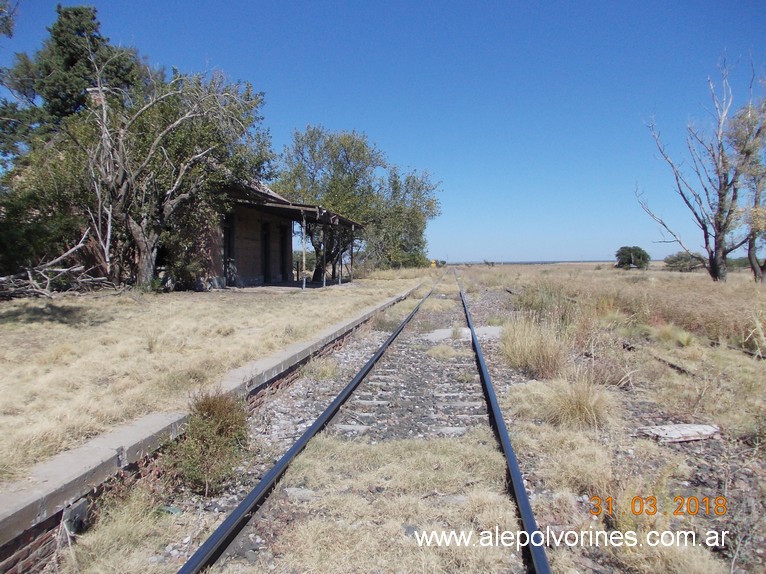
[[344, 172], [112, 147], [395, 236], [6, 18], [628, 257], [96, 144], [684, 262], [54, 82]]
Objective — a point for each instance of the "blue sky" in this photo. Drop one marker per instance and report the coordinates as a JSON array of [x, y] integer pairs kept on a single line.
[[533, 115]]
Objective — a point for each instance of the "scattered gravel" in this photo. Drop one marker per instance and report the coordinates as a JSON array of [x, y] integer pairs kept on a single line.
[[428, 386]]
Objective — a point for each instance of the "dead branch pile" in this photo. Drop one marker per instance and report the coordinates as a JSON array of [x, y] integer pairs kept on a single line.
[[45, 279]]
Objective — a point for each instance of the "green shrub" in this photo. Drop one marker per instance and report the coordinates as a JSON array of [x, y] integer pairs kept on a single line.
[[684, 262], [216, 434]]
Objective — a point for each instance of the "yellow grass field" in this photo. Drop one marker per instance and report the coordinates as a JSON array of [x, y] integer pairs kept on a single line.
[[75, 366], [583, 341], [606, 352]]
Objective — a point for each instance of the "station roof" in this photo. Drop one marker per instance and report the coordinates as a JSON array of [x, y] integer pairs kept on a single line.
[[258, 194]]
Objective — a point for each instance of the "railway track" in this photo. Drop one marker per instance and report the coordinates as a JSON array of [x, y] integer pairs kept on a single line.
[[393, 397]]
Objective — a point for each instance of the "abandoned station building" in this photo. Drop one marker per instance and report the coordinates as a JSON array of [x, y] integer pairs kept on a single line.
[[255, 244]]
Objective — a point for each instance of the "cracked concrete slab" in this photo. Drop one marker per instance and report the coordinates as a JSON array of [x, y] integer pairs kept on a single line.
[[487, 332]]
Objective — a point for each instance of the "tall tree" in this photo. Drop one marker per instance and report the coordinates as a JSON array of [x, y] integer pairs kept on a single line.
[[746, 134], [54, 83], [7, 18], [338, 172], [160, 147], [713, 190], [141, 151], [395, 237]]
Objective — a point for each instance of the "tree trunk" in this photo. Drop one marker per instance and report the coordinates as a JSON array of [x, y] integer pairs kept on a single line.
[[318, 245], [147, 242], [145, 267], [318, 271], [752, 257], [717, 268], [717, 260]]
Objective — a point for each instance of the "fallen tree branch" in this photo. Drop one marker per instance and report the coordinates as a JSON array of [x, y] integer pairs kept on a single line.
[[42, 280]]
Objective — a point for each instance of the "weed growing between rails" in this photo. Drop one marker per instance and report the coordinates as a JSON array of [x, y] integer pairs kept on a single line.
[[367, 506]]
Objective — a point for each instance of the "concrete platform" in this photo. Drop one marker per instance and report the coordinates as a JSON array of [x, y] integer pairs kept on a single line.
[[54, 484]]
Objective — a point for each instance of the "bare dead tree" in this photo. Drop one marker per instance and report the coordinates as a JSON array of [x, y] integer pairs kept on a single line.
[[154, 150], [713, 188]]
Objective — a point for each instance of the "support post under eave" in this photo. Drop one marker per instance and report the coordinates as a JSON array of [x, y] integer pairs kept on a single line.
[[324, 255], [351, 270], [303, 239], [340, 263]]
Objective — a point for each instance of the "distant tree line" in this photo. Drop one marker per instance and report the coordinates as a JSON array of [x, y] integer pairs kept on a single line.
[[111, 166]]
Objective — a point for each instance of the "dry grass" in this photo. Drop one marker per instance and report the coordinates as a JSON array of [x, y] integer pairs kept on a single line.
[[321, 369], [575, 310], [369, 498], [576, 433], [690, 301], [575, 404], [130, 531], [76, 366], [580, 404], [426, 274], [569, 435], [727, 389], [671, 560], [446, 352], [565, 415], [645, 559], [535, 346], [439, 305], [670, 335]]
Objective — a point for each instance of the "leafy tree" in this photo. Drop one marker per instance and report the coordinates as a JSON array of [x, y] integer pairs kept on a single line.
[[746, 134], [628, 257], [396, 235], [143, 154], [164, 148], [683, 261], [54, 83], [341, 172], [43, 205], [44, 196], [7, 13], [338, 172]]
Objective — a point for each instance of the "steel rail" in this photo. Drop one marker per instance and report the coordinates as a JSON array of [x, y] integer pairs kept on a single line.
[[210, 550], [535, 557]]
